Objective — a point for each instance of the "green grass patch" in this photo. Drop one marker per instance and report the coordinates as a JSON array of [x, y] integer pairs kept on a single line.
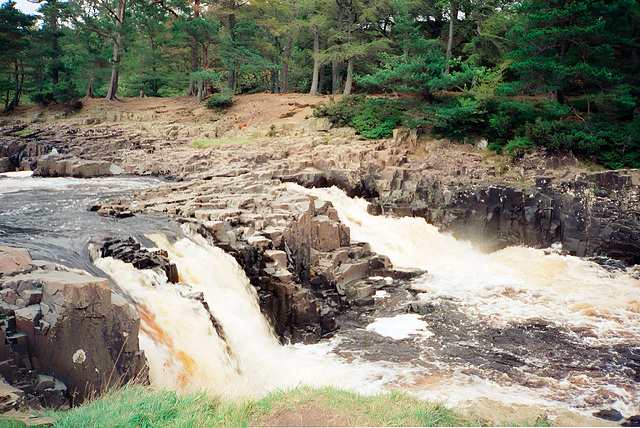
[[333, 406], [201, 144], [21, 133], [141, 406]]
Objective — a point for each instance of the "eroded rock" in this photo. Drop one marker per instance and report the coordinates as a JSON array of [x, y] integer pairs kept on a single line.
[[66, 336]]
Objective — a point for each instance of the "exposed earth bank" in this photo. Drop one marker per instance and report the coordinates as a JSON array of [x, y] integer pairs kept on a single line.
[[294, 248]]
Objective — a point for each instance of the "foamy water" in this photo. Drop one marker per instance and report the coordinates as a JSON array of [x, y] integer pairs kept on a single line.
[[185, 351], [503, 289], [514, 284]]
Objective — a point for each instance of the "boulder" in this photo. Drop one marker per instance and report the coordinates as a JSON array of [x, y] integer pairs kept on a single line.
[[72, 332], [60, 166], [13, 260]]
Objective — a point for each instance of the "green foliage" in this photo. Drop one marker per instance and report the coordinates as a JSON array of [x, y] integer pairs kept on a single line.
[[378, 118], [516, 147], [219, 101], [423, 72], [370, 117], [459, 118], [341, 113]]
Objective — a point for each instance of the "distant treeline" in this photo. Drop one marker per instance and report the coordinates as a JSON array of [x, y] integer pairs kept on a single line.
[[561, 74]]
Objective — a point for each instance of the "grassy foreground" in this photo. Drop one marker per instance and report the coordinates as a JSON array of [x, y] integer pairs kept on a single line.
[[138, 406]]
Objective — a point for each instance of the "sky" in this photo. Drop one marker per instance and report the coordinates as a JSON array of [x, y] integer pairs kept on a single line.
[[25, 6]]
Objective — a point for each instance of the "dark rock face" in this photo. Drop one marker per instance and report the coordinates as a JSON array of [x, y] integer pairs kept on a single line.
[[64, 335], [594, 214], [129, 251], [608, 415], [18, 153]]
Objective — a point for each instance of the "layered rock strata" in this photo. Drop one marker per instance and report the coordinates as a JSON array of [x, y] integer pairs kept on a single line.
[[64, 336], [293, 247]]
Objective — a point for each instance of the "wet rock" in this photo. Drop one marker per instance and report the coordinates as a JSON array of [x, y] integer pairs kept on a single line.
[[631, 421], [129, 251], [608, 414], [71, 338]]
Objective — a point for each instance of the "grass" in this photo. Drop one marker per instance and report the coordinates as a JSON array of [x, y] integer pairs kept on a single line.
[[201, 144], [140, 406], [21, 133]]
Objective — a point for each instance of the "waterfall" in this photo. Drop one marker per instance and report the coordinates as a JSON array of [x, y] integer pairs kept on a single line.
[[207, 333], [594, 313]]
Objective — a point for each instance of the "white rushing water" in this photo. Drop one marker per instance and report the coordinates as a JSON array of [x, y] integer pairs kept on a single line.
[[513, 284], [243, 357], [504, 288], [185, 351]]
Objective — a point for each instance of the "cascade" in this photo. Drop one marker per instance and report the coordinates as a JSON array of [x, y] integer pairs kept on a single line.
[[579, 323], [207, 333]]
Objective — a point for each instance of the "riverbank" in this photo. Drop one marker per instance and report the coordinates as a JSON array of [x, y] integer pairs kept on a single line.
[[311, 278]]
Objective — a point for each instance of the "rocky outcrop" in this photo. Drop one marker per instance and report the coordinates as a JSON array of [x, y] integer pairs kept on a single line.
[[64, 335], [129, 251], [20, 153], [293, 247], [66, 166], [591, 215]]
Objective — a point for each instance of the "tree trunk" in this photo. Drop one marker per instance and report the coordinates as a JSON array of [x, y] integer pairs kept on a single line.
[[115, 69], [231, 80], [336, 77], [349, 82], [316, 60], [275, 77], [285, 65], [452, 18], [90, 90], [201, 90], [284, 71], [154, 69], [117, 48], [193, 90], [18, 89]]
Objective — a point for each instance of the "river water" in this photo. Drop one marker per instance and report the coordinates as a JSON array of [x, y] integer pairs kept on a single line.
[[520, 325]]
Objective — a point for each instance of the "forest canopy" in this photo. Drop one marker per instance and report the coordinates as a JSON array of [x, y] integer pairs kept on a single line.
[[558, 74]]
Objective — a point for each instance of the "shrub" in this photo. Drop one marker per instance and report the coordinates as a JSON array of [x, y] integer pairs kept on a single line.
[[219, 101], [378, 118], [341, 113], [461, 117], [516, 147], [372, 118]]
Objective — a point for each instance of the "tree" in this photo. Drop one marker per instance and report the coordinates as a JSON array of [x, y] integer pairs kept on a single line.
[[566, 48], [107, 19], [15, 30], [421, 67]]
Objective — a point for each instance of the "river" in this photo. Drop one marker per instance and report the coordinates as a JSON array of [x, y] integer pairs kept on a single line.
[[521, 325]]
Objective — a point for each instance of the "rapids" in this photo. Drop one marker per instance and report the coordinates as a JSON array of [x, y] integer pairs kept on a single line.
[[528, 326], [520, 325]]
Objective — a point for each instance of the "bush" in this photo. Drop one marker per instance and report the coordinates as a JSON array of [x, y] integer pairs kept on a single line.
[[516, 147], [459, 118], [372, 118], [378, 118], [341, 113], [219, 101]]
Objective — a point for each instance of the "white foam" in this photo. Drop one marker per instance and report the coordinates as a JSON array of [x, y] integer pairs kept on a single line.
[[400, 326]]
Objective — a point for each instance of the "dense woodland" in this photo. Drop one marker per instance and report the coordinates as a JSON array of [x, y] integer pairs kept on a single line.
[[558, 74]]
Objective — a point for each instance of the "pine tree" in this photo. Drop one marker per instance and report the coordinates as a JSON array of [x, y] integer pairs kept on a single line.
[[566, 48]]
